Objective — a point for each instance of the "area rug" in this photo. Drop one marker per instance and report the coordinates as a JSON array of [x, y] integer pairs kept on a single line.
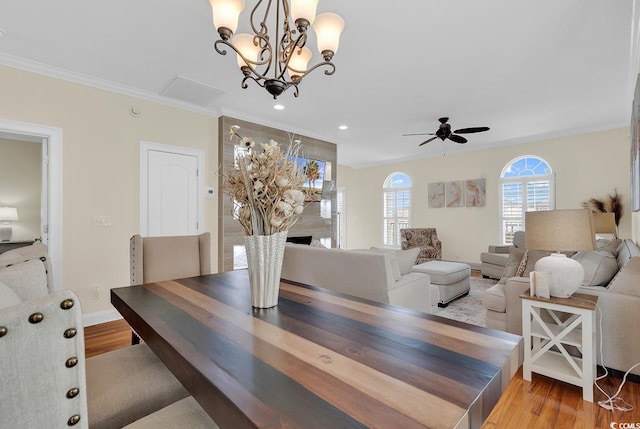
[[469, 309]]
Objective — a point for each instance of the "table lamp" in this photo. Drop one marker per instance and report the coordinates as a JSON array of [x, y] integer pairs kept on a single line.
[[605, 223], [7, 214], [560, 230]]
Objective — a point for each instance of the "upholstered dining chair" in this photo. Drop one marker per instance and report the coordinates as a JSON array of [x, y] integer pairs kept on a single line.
[[47, 382], [424, 238], [156, 259]]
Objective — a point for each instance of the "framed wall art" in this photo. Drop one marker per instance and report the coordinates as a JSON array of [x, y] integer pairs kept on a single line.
[[475, 193], [436, 195], [454, 196]]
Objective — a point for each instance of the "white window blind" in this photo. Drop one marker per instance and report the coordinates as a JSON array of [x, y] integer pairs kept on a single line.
[[397, 207], [526, 184]]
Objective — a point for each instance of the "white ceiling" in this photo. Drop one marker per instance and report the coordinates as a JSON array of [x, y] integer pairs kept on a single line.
[[527, 69]]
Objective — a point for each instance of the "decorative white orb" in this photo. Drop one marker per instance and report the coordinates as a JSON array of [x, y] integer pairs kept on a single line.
[[565, 274]]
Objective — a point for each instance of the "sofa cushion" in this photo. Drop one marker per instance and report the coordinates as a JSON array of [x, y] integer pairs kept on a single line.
[[599, 267], [494, 299], [626, 250], [495, 258], [515, 257], [27, 279], [406, 259], [8, 297]]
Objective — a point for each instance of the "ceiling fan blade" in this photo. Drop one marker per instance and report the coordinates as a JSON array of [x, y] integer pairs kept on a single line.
[[471, 130], [427, 141], [457, 139], [444, 120], [419, 134]]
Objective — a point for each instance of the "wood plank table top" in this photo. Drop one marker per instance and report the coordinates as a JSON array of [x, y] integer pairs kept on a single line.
[[320, 359]]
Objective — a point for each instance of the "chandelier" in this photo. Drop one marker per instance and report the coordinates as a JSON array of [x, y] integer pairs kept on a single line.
[[278, 61]]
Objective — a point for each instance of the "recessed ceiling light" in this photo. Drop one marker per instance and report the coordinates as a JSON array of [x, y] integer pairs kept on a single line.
[[278, 107], [343, 127]]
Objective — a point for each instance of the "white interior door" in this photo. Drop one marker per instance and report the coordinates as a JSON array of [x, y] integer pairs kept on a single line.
[[173, 199]]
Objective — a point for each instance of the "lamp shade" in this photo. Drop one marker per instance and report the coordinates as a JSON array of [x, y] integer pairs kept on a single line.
[[298, 63], [8, 214], [328, 27], [226, 13], [560, 230], [303, 9], [244, 44], [604, 223]]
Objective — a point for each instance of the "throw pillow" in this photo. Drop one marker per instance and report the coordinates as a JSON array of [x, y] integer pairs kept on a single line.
[[27, 279], [523, 264], [599, 267], [515, 257], [8, 297], [610, 246], [407, 259]]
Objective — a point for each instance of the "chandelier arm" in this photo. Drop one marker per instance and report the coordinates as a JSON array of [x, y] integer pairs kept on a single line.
[[260, 82], [288, 48], [331, 70], [249, 63], [263, 32]]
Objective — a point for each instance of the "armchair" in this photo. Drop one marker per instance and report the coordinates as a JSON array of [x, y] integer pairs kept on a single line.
[[47, 382], [424, 238]]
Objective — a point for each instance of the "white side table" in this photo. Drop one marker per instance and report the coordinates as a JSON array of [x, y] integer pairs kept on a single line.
[[541, 335]]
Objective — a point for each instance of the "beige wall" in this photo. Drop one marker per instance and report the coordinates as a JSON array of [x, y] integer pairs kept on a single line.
[[20, 184], [100, 169], [590, 165]]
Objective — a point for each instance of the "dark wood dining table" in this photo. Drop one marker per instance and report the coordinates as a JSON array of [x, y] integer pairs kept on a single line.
[[319, 359]]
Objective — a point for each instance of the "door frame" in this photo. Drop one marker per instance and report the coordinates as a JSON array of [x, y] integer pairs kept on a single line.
[[145, 148], [52, 139]]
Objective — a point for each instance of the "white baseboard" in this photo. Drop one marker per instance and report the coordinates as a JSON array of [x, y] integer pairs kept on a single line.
[[100, 317]]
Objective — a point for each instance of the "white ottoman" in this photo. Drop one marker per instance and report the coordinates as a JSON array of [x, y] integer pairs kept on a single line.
[[452, 279]]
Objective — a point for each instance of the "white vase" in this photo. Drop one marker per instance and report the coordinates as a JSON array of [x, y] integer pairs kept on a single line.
[[264, 259]]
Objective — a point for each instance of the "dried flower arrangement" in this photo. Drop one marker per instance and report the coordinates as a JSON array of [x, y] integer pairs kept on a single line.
[[265, 187], [612, 204]]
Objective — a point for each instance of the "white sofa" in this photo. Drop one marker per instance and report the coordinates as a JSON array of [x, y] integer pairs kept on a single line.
[[378, 276], [618, 302]]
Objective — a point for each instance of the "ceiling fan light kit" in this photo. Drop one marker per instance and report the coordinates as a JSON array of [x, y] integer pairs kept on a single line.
[[444, 132], [277, 62]]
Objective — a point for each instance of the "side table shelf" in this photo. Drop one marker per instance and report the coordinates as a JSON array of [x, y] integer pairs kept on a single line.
[[542, 333]]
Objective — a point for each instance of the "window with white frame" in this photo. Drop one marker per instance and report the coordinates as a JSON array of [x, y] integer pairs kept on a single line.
[[527, 183], [397, 207]]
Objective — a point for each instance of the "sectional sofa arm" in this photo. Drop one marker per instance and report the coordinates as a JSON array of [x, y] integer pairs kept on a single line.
[[499, 249], [515, 287]]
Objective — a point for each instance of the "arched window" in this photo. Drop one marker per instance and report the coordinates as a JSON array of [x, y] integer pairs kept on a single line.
[[397, 207], [527, 184]]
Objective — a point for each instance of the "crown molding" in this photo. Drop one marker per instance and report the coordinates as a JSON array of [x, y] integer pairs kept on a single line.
[[83, 79]]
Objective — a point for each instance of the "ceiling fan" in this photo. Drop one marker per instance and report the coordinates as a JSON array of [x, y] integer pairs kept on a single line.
[[444, 132]]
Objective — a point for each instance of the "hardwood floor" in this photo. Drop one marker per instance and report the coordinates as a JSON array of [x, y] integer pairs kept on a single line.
[[541, 403]]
